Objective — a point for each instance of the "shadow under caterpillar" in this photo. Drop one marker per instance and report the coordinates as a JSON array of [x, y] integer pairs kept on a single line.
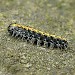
[[37, 37]]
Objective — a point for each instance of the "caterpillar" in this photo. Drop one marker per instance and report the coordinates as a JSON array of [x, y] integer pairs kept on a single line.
[[37, 37]]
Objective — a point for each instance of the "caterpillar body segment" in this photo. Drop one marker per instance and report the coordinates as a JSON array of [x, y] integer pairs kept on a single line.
[[37, 37]]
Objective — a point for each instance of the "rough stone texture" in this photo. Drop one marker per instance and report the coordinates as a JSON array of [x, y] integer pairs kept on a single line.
[[53, 16]]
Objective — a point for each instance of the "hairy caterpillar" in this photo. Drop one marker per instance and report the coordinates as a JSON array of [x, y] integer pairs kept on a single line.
[[37, 37]]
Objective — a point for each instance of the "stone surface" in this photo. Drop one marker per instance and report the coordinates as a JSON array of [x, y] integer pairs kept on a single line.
[[51, 16]]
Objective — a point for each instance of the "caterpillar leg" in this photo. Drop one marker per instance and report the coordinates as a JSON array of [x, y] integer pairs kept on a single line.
[[46, 44], [19, 32], [38, 42], [51, 45], [14, 33], [24, 37], [28, 39], [33, 41], [17, 35], [64, 46]]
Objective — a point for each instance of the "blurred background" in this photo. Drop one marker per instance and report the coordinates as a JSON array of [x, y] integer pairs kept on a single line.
[[51, 16]]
